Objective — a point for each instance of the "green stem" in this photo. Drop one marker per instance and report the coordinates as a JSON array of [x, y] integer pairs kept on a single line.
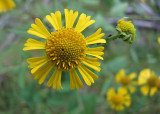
[[113, 37]]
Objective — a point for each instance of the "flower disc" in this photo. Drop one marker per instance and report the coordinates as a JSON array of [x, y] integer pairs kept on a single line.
[[66, 48]]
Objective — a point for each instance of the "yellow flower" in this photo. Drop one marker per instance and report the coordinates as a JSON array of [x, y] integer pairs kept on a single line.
[[127, 30], [158, 84], [149, 81], [66, 49], [143, 1], [118, 100], [159, 40], [126, 81], [6, 5]]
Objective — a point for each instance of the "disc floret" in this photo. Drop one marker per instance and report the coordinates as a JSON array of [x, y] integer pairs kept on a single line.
[[66, 48]]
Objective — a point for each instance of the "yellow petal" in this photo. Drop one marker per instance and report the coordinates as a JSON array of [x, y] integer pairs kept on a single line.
[[159, 40], [94, 38], [83, 22], [87, 75], [110, 93], [119, 107], [97, 54], [143, 76], [33, 44], [92, 64], [153, 91], [93, 35], [39, 29], [132, 75], [127, 100], [97, 50], [122, 91], [145, 90], [55, 20], [52, 78], [119, 75], [75, 80], [42, 72], [70, 17], [37, 62], [96, 41], [6, 5], [55, 79], [132, 89]]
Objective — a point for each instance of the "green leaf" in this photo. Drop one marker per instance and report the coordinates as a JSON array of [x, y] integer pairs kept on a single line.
[[101, 22], [119, 9], [1, 34], [91, 2], [134, 56], [43, 9], [21, 31], [115, 64], [90, 106]]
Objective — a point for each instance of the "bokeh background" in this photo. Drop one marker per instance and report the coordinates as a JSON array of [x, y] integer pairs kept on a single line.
[[21, 94]]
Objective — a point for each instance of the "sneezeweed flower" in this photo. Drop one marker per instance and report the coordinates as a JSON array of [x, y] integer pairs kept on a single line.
[[144, 1], [126, 30], [149, 81], [159, 40], [66, 49], [127, 81], [158, 84], [6, 5], [118, 100]]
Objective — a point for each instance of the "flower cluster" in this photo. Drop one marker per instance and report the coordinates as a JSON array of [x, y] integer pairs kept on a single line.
[[147, 80]]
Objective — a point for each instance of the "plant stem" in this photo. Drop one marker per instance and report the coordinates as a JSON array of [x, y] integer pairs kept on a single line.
[[113, 37]]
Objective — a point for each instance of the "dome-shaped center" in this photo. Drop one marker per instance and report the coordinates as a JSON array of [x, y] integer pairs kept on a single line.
[[152, 81], [117, 99], [125, 80], [66, 48]]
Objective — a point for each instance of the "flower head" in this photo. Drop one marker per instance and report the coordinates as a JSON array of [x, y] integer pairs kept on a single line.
[[149, 81], [144, 1], [126, 30], [127, 82], [159, 40], [6, 5], [66, 49], [118, 100], [158, 83]]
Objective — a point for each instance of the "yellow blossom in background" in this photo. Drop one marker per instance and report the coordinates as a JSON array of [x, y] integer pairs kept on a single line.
[[127, 81], [66, 49], [118, 100], [144, 1], [6, 5], [159, 40], [149, 81], [158, 83], [127, 30]]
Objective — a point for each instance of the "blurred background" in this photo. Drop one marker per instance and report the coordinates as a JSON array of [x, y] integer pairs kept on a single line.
[[21, 94]]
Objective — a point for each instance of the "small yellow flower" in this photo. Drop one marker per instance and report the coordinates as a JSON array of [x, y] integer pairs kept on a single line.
[[118, 100], [158, 83], [6, 5], [126, 81], [127, 30], [149, 81], [159, 40], [66, 49], [143, 1]]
